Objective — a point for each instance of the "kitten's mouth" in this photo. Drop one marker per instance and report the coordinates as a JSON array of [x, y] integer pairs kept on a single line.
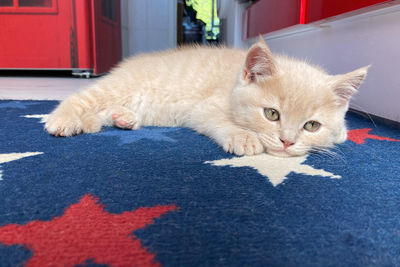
[[280, 152]]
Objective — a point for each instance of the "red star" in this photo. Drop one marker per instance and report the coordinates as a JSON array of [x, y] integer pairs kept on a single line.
[[358, 136], [85, 231]]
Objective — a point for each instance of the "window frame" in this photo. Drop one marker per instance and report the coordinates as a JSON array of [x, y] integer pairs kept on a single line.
[[107, 20], [16, 9]]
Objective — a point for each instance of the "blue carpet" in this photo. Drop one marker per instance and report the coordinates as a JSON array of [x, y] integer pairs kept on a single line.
[[171, 197]]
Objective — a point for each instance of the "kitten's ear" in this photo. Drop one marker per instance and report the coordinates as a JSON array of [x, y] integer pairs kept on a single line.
[[259, 62], [346, 85]]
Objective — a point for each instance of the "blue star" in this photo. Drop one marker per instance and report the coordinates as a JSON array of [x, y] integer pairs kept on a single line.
[[151, 133], [16, 104]]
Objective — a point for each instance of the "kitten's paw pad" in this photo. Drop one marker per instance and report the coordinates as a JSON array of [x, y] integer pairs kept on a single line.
[[128, 120], [63, 126], [243, 144]]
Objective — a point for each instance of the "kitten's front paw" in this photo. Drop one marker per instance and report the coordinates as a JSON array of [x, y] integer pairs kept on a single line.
[[243, 143]]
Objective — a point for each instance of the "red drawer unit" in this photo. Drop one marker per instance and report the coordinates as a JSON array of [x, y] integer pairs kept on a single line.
[[79, 35], [266, 16], [270, 15], [321, 9]]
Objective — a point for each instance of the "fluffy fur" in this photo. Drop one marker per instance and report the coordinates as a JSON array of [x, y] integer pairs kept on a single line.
[[222, 93]]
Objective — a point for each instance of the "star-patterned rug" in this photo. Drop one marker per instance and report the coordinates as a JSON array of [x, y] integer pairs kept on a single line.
[[171, 197]]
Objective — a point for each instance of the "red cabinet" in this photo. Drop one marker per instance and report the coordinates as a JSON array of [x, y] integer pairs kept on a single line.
[[271, 15], [79, 35], [320, 9], [265, 16]]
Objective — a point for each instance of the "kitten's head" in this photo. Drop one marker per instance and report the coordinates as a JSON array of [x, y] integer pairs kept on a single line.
[[292, 106]]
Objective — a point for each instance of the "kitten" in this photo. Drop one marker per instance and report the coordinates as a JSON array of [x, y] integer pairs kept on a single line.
[[247, 102]]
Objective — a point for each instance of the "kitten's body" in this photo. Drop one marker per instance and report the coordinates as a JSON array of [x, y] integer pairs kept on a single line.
[[218, 92]]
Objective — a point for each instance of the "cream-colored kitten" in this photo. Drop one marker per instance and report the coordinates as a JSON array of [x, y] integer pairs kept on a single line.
[[248, 102]]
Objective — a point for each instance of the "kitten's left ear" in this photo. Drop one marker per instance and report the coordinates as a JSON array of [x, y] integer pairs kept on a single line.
[[259, 62], [346, 85]]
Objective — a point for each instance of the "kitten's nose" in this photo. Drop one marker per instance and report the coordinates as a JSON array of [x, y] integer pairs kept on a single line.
[[286, 143]]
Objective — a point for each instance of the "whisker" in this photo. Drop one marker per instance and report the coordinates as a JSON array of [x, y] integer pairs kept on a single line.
[[333, 153], [268, 140], [363, 112]]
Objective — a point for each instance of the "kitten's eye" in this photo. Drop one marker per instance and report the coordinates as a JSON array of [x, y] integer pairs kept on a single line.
[[312, 126], [271, 114]]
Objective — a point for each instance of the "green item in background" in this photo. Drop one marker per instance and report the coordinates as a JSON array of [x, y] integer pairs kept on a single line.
[[204, 9]]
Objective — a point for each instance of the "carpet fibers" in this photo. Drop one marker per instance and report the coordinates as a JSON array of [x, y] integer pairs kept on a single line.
[[171, 197]]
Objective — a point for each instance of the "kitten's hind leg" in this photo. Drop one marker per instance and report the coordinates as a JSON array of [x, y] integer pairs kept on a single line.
[[123, 118]]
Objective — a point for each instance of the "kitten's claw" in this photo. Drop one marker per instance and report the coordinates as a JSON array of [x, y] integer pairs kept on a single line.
[[243, 143]]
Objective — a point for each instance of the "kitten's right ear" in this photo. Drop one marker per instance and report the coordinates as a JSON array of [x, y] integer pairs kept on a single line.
[[347, 84], [259, 62]]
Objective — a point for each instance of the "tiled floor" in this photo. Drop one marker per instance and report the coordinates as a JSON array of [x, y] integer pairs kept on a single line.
[[41, 88]]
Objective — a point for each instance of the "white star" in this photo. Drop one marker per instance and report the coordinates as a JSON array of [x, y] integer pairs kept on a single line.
[[274, 168], [15, 156], [43, 117]]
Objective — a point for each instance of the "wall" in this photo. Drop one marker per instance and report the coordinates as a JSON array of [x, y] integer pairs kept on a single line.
[[230, 11], [148, 25], [344, 44], [125, 27]]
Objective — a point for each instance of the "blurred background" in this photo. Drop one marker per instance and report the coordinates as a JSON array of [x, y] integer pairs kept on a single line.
[[50, 39]]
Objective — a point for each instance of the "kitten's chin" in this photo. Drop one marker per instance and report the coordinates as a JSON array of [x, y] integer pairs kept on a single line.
[[280, 153]]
